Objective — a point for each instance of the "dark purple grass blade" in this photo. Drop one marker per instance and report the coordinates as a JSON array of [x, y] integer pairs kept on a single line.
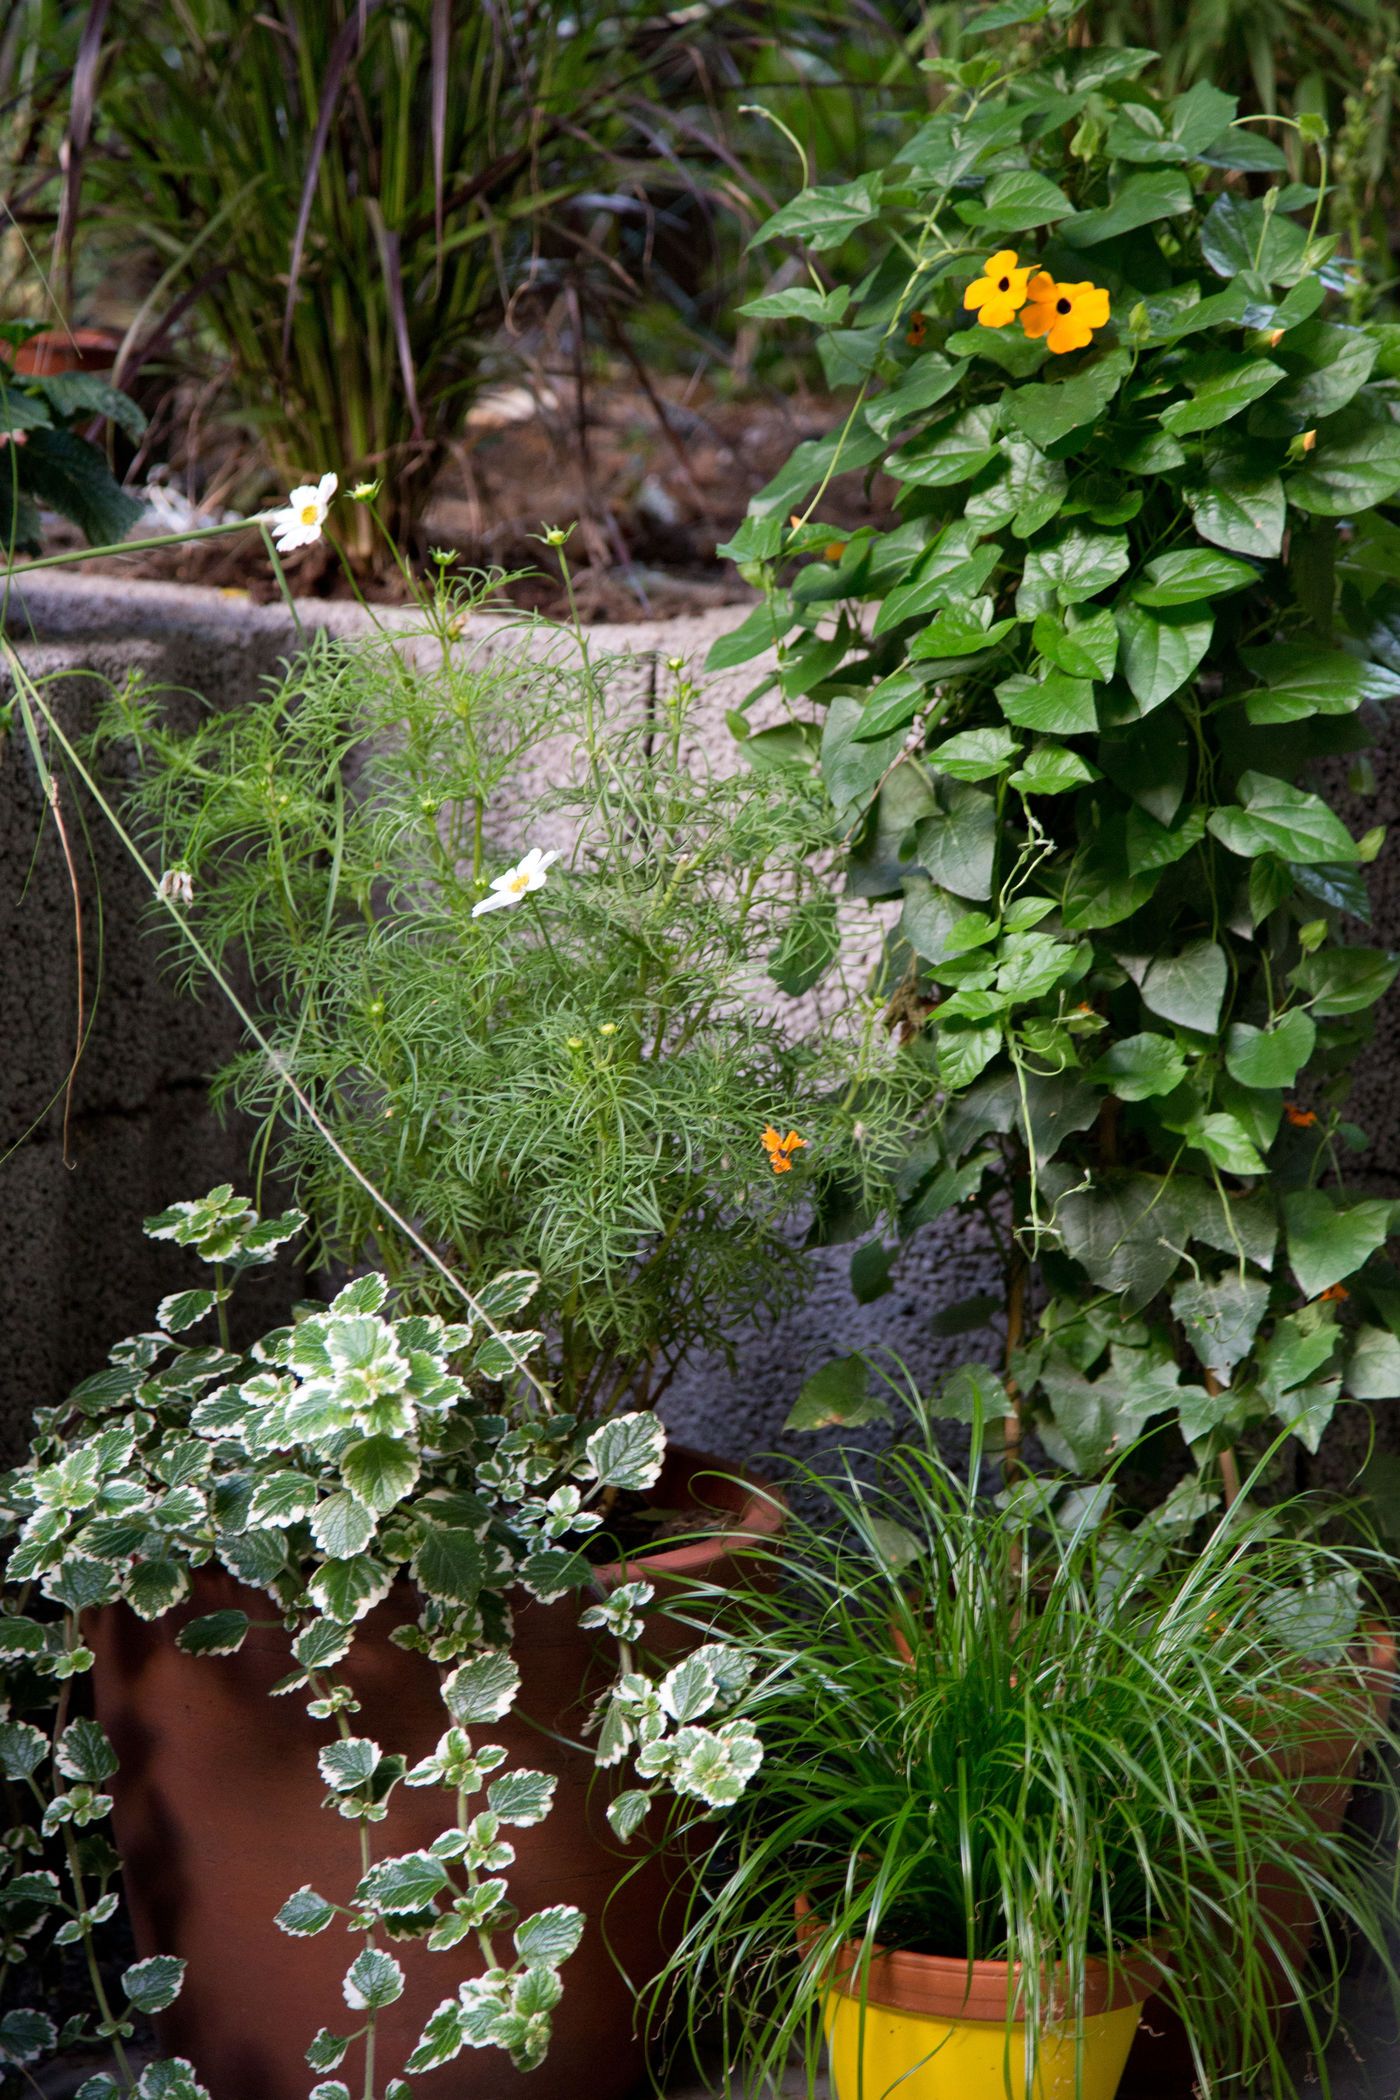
[[342, 51], [134, 352], [441, 51], [393, 285], [80, 109]]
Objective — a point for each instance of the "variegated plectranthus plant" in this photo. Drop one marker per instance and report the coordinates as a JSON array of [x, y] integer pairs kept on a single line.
[[1085, 708], [343, 1453]]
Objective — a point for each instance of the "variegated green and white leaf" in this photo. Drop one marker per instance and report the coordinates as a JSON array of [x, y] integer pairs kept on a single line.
[[342, 1526], [349, 1763], [550, 1936], [153, 1984], [627, 1452], [521, 1797], [483, 1689], [303, 1914], [26, 2036], [184, 1309], [374, 1980], [154, 1586]]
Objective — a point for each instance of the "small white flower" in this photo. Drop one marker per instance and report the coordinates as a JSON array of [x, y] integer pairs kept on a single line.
[[176, 886], [299, 523], [517, 882]]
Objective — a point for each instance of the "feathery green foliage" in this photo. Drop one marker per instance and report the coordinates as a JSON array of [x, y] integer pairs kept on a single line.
[[1012, 1729], [578, 1083]]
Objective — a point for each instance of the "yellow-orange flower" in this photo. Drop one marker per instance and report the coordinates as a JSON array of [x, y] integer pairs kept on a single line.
[[1334, 1294], [916, 331], [1065, 314], [1300, 1118], [997, 296], [780, 1149]]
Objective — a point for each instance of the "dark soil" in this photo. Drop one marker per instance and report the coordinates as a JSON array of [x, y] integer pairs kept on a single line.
[[654, 485]]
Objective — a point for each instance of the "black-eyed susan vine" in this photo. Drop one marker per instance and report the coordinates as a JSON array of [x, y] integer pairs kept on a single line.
[[1065, 314], [1082, 708]]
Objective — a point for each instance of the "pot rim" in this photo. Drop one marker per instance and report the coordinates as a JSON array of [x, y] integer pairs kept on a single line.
[[759, 1512], [1333, 1753], [944, 1987]]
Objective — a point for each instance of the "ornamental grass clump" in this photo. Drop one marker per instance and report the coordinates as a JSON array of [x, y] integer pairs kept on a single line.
[[347, 199], [1012, 1729], [532, 960], [1087, 709]]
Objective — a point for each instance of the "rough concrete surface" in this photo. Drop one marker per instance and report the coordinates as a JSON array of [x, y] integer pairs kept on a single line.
[[76, 1271]]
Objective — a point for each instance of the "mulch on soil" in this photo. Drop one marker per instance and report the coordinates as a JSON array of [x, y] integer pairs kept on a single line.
[[654, 485]]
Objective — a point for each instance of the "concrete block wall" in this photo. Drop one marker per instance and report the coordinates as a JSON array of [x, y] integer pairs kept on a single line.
[[75, 1273]]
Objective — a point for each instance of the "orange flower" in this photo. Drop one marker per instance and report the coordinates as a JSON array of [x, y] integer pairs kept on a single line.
[[916, 331], [1065, 314], [1334, 1294], [780, 1149], [997, 296], [834, 549], [1300, 1118]]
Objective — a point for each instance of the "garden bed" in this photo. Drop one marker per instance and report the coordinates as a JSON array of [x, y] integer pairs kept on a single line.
[[654, 483]]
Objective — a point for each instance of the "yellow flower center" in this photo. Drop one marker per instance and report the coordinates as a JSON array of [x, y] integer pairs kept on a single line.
[[519, 883], [308, 513]]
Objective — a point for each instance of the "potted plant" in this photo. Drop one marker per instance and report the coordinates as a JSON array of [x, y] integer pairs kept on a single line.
[[1025, 1763], [384, 1520], [512, 999], [50, 393]]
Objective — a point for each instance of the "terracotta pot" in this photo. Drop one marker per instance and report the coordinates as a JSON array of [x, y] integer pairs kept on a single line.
[[65, 350], [1160, 2065], [932, 2027], [218, 1817]]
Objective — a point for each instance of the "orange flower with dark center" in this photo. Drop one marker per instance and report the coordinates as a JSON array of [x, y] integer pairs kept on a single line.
[[997, 296], [1300, 1118], [1065, 314], [1334, 1294], [780, 1149], [916, 331]]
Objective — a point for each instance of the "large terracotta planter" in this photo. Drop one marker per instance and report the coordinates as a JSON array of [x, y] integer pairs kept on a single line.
[[1160, 2066], [64, 350], [218, 1816], [910, 2026]]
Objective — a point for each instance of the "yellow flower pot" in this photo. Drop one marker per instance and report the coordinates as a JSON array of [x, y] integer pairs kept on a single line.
[[908, 2026], [897, 2055]]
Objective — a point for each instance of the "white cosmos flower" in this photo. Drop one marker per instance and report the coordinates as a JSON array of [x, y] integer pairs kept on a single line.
[[299, 523], [517, 882]]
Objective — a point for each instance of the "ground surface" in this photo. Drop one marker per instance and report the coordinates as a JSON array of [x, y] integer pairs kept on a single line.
[[1364, 2066], [654, 484]]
